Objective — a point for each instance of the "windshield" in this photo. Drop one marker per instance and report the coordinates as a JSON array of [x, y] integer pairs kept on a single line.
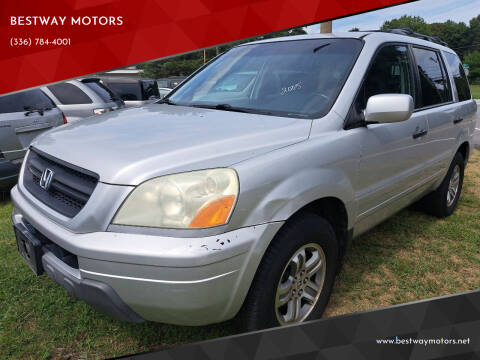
[[300, 78]]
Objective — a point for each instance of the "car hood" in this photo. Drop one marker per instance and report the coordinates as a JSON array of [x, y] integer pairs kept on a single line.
[[130, 146]]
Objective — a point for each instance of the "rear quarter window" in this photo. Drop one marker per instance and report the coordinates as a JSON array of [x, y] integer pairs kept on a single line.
[[459, 77], [25, 100], [69, 94]]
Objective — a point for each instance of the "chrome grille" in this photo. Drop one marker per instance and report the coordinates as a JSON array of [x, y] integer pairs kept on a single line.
[[70, 188]]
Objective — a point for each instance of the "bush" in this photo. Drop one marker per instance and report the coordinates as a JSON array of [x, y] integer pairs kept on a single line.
[[473, 59]]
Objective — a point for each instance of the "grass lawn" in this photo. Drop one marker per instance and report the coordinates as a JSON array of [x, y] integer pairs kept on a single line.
[[412, 256], [475, 91]]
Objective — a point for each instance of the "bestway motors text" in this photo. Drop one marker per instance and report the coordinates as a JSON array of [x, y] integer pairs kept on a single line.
[[66, 20]]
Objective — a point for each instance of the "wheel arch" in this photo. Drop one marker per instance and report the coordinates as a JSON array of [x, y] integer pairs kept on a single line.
[[464, 149], [335, 212], [331, 209]]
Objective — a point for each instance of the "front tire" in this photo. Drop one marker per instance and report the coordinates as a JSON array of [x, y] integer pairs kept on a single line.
[[295, 278], [443, 201]]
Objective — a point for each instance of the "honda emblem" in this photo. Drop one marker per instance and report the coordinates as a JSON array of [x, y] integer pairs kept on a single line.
[[46, 179]]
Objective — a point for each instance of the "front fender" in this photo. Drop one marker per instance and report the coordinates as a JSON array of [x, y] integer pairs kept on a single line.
[[275, 186], [300, 189]]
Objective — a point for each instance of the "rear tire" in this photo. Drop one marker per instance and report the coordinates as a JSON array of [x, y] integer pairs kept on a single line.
[[443, 201], [306, 236]]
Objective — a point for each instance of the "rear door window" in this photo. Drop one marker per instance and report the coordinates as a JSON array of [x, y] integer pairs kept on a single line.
[[24, 101], [433, 80], [69, 94], [459, 77]]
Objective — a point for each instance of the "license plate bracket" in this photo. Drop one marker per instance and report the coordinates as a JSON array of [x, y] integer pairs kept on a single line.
[[30, 248]]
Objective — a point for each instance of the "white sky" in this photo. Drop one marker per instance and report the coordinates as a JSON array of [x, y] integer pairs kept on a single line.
[[430, 10]]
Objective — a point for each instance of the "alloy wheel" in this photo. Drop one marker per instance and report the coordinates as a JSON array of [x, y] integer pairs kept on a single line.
[[300, 285], [453, 185]]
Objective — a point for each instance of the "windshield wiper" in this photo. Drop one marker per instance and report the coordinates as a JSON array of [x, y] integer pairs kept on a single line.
[[166, 101], [320, 47], [30, 110], [228, 107]]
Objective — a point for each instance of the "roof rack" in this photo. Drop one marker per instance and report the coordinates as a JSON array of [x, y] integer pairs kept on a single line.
[[410, 32]]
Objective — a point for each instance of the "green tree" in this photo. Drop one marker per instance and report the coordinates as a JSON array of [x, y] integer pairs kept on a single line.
[[460, 37], [184, 65], [456, 35], [473, 59], [416, 23], [474, 34]]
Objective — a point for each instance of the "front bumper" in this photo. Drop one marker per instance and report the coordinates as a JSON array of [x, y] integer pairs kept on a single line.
[[95, 293], [185, 281]]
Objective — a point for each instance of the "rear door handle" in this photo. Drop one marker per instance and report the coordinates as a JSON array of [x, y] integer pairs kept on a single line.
[[457, 121], [420, 133]]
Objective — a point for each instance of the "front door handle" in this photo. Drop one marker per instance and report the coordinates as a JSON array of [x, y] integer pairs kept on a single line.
[[457, 121], [420, 133]]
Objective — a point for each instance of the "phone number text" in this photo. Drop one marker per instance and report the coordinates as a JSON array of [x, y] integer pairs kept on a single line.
[[16, 42]]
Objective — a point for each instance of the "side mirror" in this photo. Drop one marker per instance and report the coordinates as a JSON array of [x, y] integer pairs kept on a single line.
[[388, 108]]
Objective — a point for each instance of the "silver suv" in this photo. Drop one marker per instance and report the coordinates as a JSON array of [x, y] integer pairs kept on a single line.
[[239, 193], [23, 116], [83, 98]]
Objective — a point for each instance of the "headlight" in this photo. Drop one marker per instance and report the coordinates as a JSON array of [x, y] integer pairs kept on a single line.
[[197, 199]]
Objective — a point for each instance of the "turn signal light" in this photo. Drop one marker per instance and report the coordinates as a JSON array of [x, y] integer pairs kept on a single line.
[[213, 214]]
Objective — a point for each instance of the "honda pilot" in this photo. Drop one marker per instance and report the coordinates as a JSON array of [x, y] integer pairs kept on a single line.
[[238, 194]]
